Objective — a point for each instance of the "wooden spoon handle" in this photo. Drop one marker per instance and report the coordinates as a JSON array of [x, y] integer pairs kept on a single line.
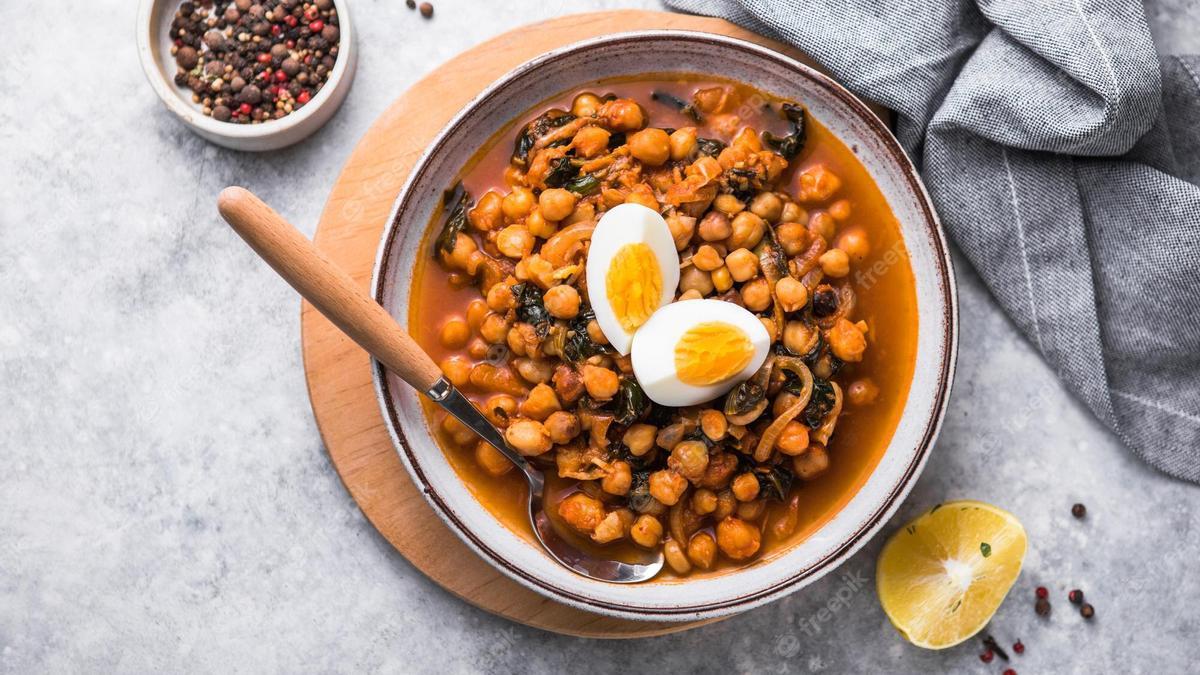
[[327, 287]]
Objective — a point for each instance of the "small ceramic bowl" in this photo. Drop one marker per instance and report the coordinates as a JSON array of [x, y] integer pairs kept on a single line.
[[154, 49], [655, 52]]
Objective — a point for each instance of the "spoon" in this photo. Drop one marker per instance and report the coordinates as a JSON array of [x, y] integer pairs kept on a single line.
[[336, 295]]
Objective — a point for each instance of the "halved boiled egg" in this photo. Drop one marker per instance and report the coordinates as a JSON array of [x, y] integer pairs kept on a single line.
[[632, 270], [693, 351]]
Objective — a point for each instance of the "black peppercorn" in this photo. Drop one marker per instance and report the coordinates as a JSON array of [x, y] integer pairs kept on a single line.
[[411, 4], [1079, 510]]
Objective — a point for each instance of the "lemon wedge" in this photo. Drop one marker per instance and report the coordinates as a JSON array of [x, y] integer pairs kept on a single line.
[[942, 577]]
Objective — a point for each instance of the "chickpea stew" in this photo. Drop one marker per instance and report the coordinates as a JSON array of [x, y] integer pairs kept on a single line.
[[767, 210]]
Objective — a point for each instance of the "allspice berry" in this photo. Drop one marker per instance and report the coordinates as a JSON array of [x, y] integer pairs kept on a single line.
[[426, 10], [187, 57], [1042, 607]]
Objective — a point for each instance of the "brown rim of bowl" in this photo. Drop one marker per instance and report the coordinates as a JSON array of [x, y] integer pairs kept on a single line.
[[946, 369]]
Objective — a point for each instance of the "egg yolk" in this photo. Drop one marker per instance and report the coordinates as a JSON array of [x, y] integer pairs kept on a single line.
[[711, 352], [633, 285]]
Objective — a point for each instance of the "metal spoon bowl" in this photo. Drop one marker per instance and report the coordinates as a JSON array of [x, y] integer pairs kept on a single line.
[[336, 296]]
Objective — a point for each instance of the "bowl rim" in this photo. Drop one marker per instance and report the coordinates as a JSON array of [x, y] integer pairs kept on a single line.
[[173, 99], [890, 500]]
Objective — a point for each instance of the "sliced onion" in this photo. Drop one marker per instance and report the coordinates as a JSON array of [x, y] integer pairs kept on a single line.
[[766, 443], [561, 248]]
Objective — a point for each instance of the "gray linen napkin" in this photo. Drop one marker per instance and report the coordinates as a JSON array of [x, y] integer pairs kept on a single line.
[[1064, 160]]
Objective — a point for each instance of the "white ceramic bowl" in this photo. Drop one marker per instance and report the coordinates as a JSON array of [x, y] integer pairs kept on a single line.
[[683, 52], [154, 50]]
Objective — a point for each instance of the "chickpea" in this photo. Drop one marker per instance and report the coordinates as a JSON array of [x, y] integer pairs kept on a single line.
[[643, 195], [840, 210], [585, 105], [676, 558], [769, 324], [756, 295], [798, 337], [835, 263], [752, 510], [791, 293], [846, 341], [515, 241], [456, 369], [691, 294], [538, 226], [692, 278], [622, 114], [683, 143], [491, 460], [595, 334], [582, 512], [459, 432], [862, 392], [613, 527], [455, 333], [488, 214], [702, 550], [494, 328], [816, 184], [667, 486], [713, 423], [477, 348], [745, 487], [533, 371], [822, 224], [706, 258], [737, 539], [591, 142], [748, 230], [768, 206], [689, 459], [794, 439], [528, 437], [500, 297], [682, 228], [854, 243], [460, 256], [793, 238], [728, 205], [540, 402], [582, 211], [812, 463], [704, 501], [639, 438], [783, 401], [650, 146], [714, 226], [793, 213], [726, 504], [499, 409], [601, 383], [556, 203], [742, 264], [647, 531], [562, 426], [562, 301], [517, 204], [618, 480]]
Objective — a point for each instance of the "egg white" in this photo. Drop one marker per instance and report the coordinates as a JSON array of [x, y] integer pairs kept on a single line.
[[621, 225], [654, 350]]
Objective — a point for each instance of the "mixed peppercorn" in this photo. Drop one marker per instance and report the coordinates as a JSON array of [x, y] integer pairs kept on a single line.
[[251, 61]]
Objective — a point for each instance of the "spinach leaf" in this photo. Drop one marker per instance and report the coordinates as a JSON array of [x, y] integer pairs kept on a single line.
[[709, 146], [744, 397], [584, 185], [679, 104], [562, 171], [820, 404], [774, 482], [578, 344], [631, 402], [639, 497], [454, 203], [622, 452], [547, 121], [616, 140], [790, 145], [530, 307]]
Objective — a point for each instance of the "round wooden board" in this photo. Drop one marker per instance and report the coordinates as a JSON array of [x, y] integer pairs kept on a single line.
[[339, 372]]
